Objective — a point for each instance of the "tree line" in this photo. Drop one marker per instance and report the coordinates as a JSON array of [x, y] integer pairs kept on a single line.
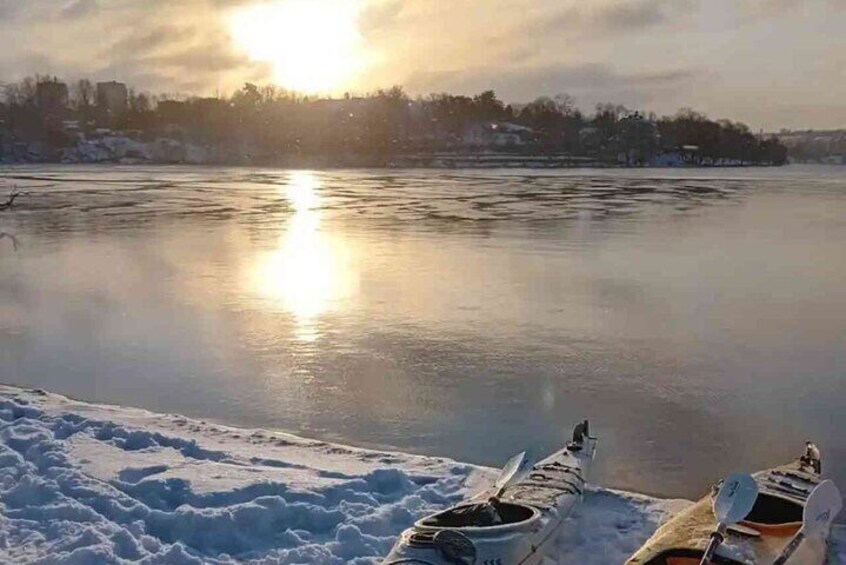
[[256, 123]]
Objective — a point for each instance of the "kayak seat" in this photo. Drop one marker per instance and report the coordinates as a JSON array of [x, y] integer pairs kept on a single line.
[[481, 515]]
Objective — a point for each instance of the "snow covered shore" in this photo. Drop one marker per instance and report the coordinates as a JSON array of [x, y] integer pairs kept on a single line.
[[84, 484]]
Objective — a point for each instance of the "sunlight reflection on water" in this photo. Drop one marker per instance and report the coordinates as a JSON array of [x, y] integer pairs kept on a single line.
[[310, 271]]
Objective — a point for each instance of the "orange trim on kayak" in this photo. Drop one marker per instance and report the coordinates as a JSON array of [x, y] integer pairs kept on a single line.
[[775, 530]]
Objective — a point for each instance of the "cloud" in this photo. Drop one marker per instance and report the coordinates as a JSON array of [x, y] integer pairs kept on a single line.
[[9, 9], [379, 14], [422, 38], [79, 8], [141, 42], [750, 12], [181, 57], [589, 83], [199, 59], [634, 15], [154, 45], [611, 17], [20, 10]]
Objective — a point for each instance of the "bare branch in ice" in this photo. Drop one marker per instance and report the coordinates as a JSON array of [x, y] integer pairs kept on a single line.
[[10, 200]]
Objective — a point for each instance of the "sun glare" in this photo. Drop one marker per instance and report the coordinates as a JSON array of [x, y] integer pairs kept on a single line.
[[309, 272], [313, 46]]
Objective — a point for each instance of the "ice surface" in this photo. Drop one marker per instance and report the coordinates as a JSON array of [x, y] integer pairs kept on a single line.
[[86, 484]]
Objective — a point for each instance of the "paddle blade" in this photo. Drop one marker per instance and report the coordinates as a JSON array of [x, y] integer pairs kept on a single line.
[[822, 507], [514, 470], [736, 498]]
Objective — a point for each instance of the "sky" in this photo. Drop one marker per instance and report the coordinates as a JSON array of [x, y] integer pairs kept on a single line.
[[769, 63]]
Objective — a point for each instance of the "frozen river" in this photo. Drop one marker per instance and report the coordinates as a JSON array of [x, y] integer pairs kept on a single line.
[[697, 317]]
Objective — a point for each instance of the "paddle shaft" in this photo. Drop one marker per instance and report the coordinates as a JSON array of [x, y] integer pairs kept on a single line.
[[791, 548], [716, 539]]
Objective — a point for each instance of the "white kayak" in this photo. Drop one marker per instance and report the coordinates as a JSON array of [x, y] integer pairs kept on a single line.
[[510, 524]]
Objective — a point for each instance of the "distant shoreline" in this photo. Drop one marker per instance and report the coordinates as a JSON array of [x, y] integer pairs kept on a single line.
[[434, 162]]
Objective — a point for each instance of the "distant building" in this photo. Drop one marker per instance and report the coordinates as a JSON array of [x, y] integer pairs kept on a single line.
[[112, 97], [496, 135], [677, 157], [691, 153], [507, 134], [51, 96]]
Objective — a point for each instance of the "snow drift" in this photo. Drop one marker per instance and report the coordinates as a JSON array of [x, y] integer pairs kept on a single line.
[[84, 484]]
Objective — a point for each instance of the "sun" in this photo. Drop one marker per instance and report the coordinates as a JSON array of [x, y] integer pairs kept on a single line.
[[313, 46]]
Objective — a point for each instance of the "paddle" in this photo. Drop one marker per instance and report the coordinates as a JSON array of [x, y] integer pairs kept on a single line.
[[485, 513], [821, 508], [733, 503], [514, 470]]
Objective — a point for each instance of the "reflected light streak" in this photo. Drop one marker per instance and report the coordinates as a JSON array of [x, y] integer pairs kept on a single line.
[[310, 271]]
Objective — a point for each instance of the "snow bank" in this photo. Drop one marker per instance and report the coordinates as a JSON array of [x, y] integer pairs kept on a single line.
[[121, 149], [87, 484]]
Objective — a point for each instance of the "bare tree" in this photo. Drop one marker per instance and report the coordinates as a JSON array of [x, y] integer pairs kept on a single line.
[[21, 93], [139, 102], [83, 94], [565, 104]]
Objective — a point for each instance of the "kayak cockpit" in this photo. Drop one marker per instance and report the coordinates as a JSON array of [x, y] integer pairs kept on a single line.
[[772, 510], [771, 515], [488, 514]]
